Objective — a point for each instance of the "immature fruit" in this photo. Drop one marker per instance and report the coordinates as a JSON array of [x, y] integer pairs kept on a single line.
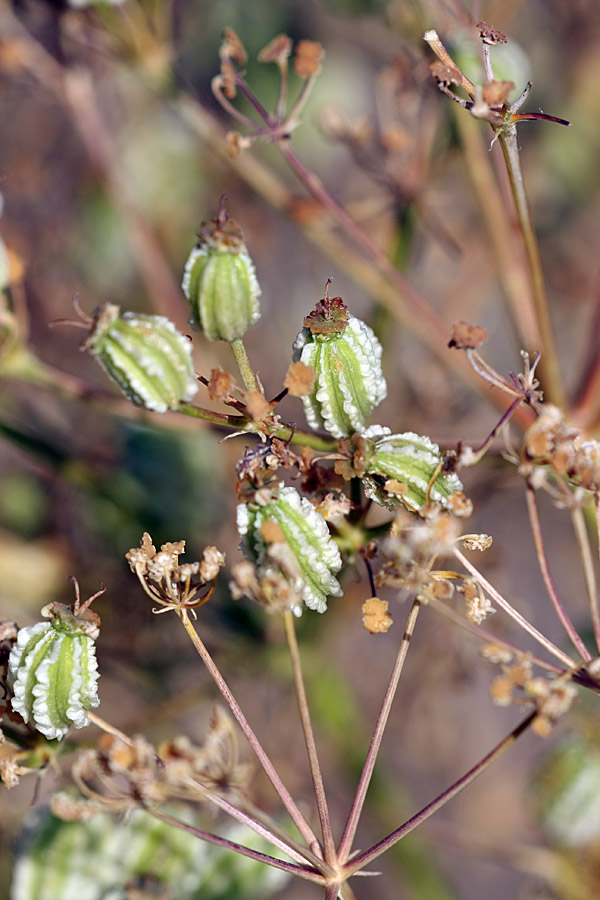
[[148, 358], [346, 358], [220, 281], [53, 671], [305, 532], [400, 468]]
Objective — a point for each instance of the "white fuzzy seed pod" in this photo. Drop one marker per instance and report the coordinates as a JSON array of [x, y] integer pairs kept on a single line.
[[53, 671], [148, 358]]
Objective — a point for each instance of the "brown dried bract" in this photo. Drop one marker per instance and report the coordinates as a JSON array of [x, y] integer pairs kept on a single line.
[[277, 50], [221, 384], [495, 93], [257, 405], [232, 48], [376, 618], [307, 59], [446, 74], [490, 35], [300, 379], [467, 337], [330, 316]]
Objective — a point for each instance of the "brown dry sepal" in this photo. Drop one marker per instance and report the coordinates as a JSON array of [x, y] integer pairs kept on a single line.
[[376, 618], [300, 379], [257, 405], [467, 337], [232, 48], [334, 507], [307, 59], [277, 50], [446, 74], [490, 35], [221, 384], [236, 142], [496, 93], [271, 532], [460, 505], [330, 316]]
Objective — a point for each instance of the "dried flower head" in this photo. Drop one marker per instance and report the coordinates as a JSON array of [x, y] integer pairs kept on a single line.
[[174, 586]]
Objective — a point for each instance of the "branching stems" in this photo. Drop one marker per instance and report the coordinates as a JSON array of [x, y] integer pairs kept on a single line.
[[365, 778], [313, 759], [512, 612], [287, 800]]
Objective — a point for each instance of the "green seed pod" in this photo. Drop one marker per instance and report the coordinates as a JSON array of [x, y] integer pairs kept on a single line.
[[410, 461], [53, 670], [306, 534], [148, 358], [346, 358], [105, 857], [220, 281]]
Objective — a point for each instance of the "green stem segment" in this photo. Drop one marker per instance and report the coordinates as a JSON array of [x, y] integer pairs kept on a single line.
[[241, 358]]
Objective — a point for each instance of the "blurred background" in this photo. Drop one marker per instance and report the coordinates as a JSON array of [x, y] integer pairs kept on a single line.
[[112, 153]]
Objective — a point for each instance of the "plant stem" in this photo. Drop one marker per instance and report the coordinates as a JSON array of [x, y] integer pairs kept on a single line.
[[511, 265], [313, 759], [241, 358], [363, 859], [259, 828], [534, 521], [290, 868], [365, 778], [295, 814], [512, 612], [550, 375]]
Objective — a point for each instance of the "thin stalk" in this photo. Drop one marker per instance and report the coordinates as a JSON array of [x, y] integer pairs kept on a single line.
[[364, 859], [365, 778], [241, 358], [512, 612], [295, 814], [309, 739], [249, 821], [290, 868], [510, 263], [550, 375], [108, 728], [242, 424], [484, 635], [534, 521]]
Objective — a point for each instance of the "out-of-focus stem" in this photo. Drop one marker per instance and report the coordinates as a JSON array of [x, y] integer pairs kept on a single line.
[[287, 800], [363, 859], [550, 375], [290, 868], [511, 265], [365, 778], [313, 758], [534, 521]]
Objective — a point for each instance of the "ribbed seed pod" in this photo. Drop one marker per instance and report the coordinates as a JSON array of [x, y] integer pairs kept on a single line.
[[109, 858], [346, 358], [409, 461], [220, 281], [148, 358], [306, 534], [53, 671]]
